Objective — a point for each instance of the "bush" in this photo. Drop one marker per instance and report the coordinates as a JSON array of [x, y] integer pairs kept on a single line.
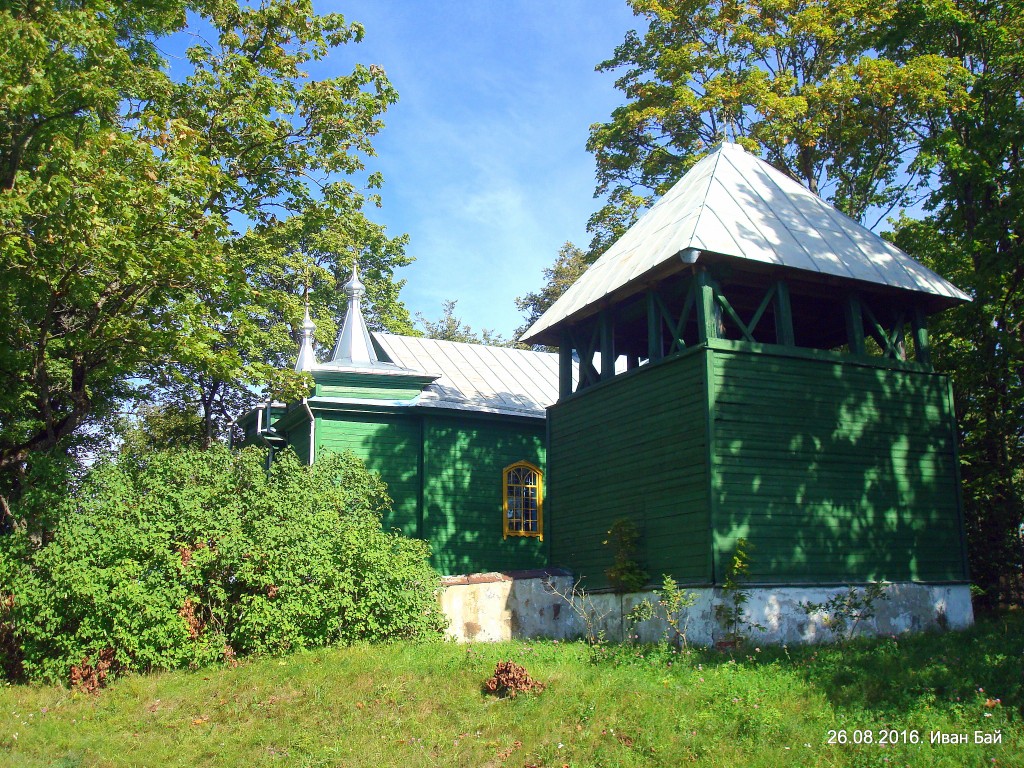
[[185, 557], [625, 573]]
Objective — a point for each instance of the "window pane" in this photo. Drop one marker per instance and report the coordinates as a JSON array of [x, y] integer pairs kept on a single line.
[[522, 494]]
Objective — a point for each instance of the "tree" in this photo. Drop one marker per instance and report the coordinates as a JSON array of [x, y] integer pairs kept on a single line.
[[569, 265], [260, 337], [449, 327], [974, 234], [122, 193], [155, 428], [795, 81]]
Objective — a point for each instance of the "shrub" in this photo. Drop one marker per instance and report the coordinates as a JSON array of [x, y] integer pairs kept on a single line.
[[625, 573], [181, 558], [843, 613], [731, 610]]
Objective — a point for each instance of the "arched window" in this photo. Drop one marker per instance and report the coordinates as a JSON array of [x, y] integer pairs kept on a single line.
[[522, 500]]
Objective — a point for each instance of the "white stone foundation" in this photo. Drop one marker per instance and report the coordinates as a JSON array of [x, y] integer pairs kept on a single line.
[[496, 606]]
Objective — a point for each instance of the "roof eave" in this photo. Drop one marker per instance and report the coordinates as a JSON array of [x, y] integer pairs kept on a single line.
[[550, 334]]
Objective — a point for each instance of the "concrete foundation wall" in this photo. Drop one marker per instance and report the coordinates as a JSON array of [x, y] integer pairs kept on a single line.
[[495, 606]]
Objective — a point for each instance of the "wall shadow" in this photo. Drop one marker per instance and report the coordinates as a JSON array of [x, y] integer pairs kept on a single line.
[[834, 472], [456, 461]]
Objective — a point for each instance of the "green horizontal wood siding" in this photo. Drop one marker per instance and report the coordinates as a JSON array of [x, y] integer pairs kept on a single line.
[[634, 447], [451, 493], [363, 386], [298, 439], [834, 472], [462, 495], [390, 446]]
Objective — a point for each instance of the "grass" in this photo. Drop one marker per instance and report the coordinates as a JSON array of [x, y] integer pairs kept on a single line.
[[424, 705]]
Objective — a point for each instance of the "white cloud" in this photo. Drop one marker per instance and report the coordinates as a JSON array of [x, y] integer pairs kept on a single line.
[[483, 157]]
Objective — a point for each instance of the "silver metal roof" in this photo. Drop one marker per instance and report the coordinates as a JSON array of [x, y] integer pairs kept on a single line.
[[353, 348], [734, 204], [306, 360], [475, 377]]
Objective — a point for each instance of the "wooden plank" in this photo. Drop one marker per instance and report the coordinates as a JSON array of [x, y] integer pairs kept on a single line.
[[710, 413], [810, 471], [770, 449], [795, 368], [462, 493], [783, 315], [848, 467], [607, 333], [657, 476], [565, 365], [922, 345], [739, 372], [815, 389], [704, 296], [655, 342], [866, 361], [954, 438], [854, 325]]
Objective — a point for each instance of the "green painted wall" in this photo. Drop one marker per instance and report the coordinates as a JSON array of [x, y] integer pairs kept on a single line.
[[633, 447], [390, 445], [365, 386], [298, 439], [463, 463], [834, 472], [460, 470]]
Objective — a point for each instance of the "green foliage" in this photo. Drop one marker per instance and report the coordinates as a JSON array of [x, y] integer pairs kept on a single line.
[[797, 81], [569, 265], [155, 232], [625, 573], [421, 705], [675, 602], [449, 327], [181, 558], [730, 610], [673, 605], [974, 235], [639, 613], [155, 428], [843, 613]]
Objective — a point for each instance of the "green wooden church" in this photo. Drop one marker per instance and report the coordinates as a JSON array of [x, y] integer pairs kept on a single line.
[[457, 431], [754, 364], [745, 362]]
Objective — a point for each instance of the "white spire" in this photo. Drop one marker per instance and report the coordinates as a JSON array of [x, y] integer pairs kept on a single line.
[[353, 346], [307, 357]]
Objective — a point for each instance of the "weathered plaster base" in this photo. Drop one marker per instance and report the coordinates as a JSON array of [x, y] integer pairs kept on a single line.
[[495, 606]]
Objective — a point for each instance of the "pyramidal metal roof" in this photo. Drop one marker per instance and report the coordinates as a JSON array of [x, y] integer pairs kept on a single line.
[[353, 350], [475, 377], [466, 377], [353, 346], [306, 360], [734, 204]]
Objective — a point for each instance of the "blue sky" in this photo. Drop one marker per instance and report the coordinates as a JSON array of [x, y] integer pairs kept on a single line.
[[484, 156]]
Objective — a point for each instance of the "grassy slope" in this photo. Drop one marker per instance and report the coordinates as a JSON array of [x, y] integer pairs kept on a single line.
[[617, 706]]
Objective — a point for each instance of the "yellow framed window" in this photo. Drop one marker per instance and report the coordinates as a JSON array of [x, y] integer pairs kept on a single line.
[[523, 500]]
